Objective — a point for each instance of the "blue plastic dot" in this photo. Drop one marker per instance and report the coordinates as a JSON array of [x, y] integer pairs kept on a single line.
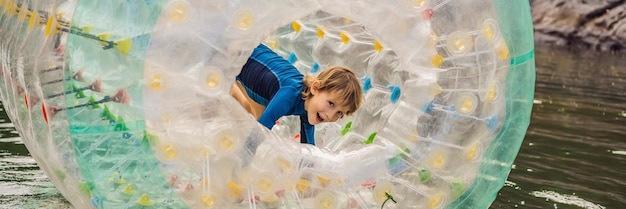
[[492, 123], [126, 135], [453, 114], [395, 93], [96, 202], [315, 68], [396, 165], [367, 84], [66, 155], [292, 58], [429, 107]]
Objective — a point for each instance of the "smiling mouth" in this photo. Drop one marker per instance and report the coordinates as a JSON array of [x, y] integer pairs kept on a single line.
[[319, 118]]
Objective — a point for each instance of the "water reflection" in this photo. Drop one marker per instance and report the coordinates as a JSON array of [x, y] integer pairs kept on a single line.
[[22, 183], [573, 156], [578, 124]]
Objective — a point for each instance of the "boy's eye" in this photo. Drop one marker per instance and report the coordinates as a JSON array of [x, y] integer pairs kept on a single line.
[[331, 104], [340, 114]]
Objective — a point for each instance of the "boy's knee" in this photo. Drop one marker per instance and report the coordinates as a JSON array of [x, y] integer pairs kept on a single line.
[[236, 93]]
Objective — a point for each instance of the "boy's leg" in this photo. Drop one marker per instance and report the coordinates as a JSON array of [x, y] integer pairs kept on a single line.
[[237, 93]]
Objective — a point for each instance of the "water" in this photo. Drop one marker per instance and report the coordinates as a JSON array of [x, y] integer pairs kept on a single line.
[[22, 183], [574, 153], [573, 156]]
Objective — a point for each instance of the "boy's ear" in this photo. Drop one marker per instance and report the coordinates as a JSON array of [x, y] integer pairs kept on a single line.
[[315, 87]]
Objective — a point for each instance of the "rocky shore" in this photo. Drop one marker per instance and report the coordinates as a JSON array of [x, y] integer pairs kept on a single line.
[[596, 24]]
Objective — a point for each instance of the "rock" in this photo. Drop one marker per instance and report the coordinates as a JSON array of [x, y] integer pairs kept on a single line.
[[597, 24]]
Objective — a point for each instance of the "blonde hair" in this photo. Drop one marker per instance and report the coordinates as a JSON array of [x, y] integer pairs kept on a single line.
[[337, 79]]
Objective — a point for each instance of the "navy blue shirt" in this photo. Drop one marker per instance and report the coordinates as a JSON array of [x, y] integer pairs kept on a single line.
[[273, 82]]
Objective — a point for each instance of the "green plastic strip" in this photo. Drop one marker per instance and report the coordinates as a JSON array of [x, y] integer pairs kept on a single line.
[[108, 132], [515, 22]]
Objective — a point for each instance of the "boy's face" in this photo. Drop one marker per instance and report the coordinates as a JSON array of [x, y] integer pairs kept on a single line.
[[324, 106]]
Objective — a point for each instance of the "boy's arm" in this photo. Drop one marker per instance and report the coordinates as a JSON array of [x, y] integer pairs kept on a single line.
[[279, 106], [307, 132]]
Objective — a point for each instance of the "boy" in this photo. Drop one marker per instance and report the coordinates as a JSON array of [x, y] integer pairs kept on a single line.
[[269, 87]]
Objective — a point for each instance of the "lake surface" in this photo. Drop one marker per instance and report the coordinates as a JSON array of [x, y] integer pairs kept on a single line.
[[573, 155]]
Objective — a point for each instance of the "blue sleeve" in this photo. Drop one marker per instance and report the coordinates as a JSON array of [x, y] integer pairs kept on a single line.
[[279, 106], [307, 131]]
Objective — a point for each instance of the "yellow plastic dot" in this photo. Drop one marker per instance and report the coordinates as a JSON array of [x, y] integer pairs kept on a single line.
[[179, 12], [435, 89], [346, 20], [296, 26], [381, 190], [124, 45], [235, 189], [471, 152], [8, 5], [208, 200], [120, 181], [303, 185], [493, 92], [226, 142], [377, 46], [324, 182], [435, 201], [156, 82], [129, 190], [284, 165], [326, 203], [213, 80], [417, 3], [489, 30], [345, 39], [204, 182], [145, 200], [438, 160], [320, 32], [437, 60], [244, 20], [170, 151], [413, 137], [466, 105], [325, 200], [105, 38], [502, 50], [116, 178], [86, 29], [13, 9], [265, 184], [457, 44], [51, 27], [31, 21], [272, 42]]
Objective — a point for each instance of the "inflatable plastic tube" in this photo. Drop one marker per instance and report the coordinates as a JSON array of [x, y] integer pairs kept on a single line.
[[126, 104]]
